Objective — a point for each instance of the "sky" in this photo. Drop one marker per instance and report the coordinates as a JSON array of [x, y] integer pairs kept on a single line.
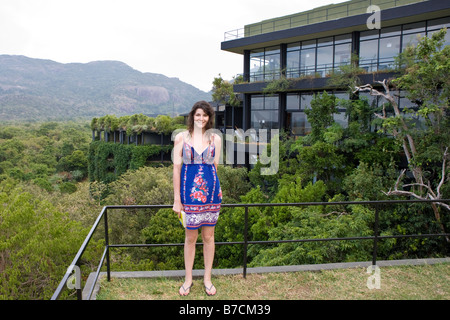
[[176, 38]]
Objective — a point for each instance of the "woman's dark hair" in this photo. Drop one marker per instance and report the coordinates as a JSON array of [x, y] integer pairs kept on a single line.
[[206, 107]]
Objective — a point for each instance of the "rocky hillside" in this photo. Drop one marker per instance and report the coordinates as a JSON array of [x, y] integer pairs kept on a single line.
[[35, 89]]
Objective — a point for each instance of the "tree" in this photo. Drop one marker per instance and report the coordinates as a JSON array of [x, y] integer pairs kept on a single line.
[[223, 92], [37, 243], [321, 114], [424, 77]]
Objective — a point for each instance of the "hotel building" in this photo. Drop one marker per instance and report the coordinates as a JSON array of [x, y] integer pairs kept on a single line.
[[308, 46]]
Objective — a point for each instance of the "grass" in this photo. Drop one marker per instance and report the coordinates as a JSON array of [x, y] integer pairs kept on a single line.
[[426, 282]]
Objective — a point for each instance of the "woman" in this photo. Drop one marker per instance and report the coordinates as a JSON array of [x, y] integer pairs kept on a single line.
[[197, 189]]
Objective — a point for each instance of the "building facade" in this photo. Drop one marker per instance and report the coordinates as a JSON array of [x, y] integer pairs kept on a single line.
[[307, 47]]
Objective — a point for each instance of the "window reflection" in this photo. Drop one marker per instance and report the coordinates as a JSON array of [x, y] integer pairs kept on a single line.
[[308, 61], [292, 102], [342, 54], [265, 64], [368, 52], [264, 112], [299, 124], [389, 48], [324, 60]]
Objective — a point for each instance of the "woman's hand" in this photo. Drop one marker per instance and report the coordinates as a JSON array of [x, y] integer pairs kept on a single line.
[[177, 207]]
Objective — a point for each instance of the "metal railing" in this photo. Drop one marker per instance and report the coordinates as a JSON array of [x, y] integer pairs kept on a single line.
[[106, 252]]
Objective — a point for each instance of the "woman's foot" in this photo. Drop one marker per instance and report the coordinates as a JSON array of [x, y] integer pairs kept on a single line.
[[210, 289], [185, 290]]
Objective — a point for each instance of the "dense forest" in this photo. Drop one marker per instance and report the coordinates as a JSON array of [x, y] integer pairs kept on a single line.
[[49, 203]]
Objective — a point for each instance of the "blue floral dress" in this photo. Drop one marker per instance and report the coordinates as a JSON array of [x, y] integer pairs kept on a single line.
[[200, 190]]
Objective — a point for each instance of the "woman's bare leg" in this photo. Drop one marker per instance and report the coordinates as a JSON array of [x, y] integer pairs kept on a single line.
[[190, 241], [208, 256]]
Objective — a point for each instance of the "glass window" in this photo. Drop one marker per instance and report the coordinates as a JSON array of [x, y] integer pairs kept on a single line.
[[446, 39], [264, 119], [271, 102], [293, 64], [257, 102], [305, 101], [368, 52], [438, 24], [411, 40], [292, 102], [308, 44], [293, 46], [300, 124], [325, 42], [341, 95], [389, 48], [371, 100], [324, 60], [318, 56], [405, 103], [371, 34], [392, 31], [341, 119], [414, 27], [343, 38], [257, 65], [272, 64], [342, 54], [265, 64], [308, 61]]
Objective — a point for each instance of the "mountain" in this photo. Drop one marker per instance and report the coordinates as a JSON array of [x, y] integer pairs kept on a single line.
[[36, 89]]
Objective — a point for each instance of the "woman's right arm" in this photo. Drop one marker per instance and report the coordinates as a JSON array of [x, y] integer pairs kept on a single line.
[[177, 163]]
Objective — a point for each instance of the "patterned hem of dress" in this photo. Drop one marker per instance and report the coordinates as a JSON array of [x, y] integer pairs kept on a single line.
[[201, 225], [197, 220]]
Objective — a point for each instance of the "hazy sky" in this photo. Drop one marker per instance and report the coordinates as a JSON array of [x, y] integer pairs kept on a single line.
[[177, 38]]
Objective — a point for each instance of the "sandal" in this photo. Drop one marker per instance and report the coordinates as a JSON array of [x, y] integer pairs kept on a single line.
[[188, 288], [209, 289]]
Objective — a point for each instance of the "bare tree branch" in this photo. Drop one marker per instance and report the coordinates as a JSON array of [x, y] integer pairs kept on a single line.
[[444, 166]]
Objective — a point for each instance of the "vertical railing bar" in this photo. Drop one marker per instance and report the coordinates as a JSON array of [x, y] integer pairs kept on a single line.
[[108, 267], [375, 239], [79, 290], [96, 275], [245, 241]]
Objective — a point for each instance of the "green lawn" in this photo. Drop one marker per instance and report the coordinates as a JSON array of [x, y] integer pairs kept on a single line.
[[425, 282]]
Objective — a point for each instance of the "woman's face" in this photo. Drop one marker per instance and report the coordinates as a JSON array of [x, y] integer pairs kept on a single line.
[[200, 118]]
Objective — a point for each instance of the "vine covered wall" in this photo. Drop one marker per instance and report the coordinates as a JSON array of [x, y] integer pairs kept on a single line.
[[107, 161]]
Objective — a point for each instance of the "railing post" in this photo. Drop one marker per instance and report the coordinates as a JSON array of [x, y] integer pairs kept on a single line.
[[78, 285], [108, 267], [245, 240], [375, 239]]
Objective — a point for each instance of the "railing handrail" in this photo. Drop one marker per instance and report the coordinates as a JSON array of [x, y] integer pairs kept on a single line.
[[245, 242]]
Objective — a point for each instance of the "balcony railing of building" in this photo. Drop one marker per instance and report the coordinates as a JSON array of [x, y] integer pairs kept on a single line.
[[320, 71], [103, 216], [321, 14]]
